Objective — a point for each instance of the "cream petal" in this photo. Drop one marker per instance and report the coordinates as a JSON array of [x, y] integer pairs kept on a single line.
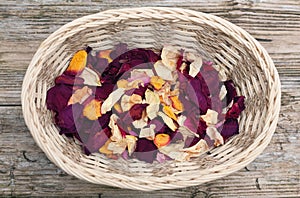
[[116, 133], [211, 117], [90, 77], [213, 134], [112, 99], [167, 120]]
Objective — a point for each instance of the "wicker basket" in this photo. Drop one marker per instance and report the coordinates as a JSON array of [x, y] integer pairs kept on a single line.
[[236, 54]]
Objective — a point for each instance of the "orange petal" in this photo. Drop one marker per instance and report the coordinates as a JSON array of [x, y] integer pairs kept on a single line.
[[78, 62], [168, 111], [92, 110], [176, 103], [105, 54], [161, 140], [157, 82]]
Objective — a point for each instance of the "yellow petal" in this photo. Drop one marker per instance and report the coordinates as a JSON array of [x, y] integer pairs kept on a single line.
[[118, 108], [78, 62], [122, 83], [157, 82], [169, 112], [104, 148], [92, 109], [176, 103], [105, 54]]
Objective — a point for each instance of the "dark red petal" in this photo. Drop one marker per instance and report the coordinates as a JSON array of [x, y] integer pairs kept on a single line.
[[145, 150], [68, 80], [136, 111], [179, 60], [237, 107], [58, 96], [66, 119], [102, 92], [231, 91], [230, 128]]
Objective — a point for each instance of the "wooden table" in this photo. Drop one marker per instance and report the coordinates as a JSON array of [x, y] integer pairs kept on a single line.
[[25, 170]]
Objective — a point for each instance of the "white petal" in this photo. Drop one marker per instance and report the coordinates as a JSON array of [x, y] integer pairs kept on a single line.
[[141, 123], [125, 103], [112, 99], [117, 147], [163, 72], [116, 133], [148, 133], [169, 56], [211, 117], [213, 134], [195, 67], [200, 147], [223, 92], [90, 77], [167, 120], [140, 72]]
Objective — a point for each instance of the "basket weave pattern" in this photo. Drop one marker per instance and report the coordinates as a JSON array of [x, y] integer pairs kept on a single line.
[[235, 53]]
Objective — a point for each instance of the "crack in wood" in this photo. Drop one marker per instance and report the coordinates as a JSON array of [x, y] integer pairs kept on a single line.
[[257, 184], [26, 158]]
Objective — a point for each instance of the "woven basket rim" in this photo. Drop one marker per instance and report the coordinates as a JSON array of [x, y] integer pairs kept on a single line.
[[195, 16]]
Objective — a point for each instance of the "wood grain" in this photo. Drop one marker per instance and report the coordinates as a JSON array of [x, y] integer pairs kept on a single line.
[[26, 171]]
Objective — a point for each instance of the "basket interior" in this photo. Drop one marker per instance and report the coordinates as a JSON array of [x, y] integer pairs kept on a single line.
[[230, 56]]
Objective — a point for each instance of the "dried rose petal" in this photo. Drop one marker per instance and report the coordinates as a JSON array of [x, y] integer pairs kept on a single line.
[[161, 140], [237, 107], [80, 95], [92, 109], [168, 111], [90, 77], [231, 91], [105, 54], [145, 150], [157, 82], [112, 99], [58, 97], [136, 111], [103, 91], [211, 77], [68, 80], [78, 63], [211, 117], [66, 118], [230, 128]]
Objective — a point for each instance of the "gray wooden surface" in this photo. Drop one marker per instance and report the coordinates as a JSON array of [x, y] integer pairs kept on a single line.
[[26, 171]]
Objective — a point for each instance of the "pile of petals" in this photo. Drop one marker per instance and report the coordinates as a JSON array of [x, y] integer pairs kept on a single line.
[[135, 103]]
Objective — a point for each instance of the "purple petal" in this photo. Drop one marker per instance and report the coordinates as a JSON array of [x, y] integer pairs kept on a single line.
[[230, 128], [136, 111]]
